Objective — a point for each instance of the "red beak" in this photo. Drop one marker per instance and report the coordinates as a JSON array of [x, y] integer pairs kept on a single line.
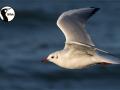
[[44, 60]]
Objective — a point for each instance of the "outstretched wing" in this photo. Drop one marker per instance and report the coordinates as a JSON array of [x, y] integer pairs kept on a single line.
[[72, 24]]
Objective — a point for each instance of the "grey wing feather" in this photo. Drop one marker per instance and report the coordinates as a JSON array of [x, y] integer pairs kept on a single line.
[[72, 24]]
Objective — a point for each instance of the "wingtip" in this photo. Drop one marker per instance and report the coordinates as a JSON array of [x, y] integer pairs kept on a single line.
[[95, 8]]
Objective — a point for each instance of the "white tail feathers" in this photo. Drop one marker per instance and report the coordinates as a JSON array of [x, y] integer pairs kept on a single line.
[[107, 59]]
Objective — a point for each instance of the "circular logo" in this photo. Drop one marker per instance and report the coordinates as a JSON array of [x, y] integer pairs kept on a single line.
[[7, 14]]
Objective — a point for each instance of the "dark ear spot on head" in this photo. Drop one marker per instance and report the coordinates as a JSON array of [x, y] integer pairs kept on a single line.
[[56, 57]]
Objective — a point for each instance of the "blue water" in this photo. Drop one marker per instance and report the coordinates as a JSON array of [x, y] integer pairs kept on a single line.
[[34, 34]]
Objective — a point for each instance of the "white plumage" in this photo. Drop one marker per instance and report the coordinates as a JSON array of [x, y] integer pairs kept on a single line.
[[79, 50]]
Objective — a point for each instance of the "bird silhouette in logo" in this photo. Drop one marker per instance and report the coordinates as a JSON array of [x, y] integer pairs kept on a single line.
[[3, 13]]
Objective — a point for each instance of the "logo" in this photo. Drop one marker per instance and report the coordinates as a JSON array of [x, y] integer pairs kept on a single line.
[[7, 14]]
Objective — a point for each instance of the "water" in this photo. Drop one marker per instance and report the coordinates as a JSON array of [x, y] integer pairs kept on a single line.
[[33, 34]]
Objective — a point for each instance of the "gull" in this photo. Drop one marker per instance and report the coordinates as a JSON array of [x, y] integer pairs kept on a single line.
[[79, 51]]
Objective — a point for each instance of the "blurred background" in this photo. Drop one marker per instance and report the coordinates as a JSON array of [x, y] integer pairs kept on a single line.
[[33, 34]]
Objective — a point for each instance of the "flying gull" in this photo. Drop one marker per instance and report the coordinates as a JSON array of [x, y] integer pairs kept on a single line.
[[79, 50]]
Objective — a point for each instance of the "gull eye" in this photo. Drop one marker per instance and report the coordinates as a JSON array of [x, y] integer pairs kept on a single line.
[[52, 57]]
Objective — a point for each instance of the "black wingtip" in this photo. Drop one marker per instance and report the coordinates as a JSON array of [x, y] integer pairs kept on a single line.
[[95, 9]]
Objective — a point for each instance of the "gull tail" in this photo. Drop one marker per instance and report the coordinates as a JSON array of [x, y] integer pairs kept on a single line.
[[107, 59]]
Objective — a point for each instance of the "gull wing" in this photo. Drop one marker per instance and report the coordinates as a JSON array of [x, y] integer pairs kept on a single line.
[[72, 24]]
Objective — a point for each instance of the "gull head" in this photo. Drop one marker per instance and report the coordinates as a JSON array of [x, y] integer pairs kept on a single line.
[[59, 58], [53, 57]]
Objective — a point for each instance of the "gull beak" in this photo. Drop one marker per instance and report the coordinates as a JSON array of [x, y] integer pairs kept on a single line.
[[44, 60]]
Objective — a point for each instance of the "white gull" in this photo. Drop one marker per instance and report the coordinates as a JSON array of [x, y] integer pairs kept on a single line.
[[79, 50]]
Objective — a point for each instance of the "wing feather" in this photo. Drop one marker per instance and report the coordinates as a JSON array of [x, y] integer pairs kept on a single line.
[[72, 24]]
